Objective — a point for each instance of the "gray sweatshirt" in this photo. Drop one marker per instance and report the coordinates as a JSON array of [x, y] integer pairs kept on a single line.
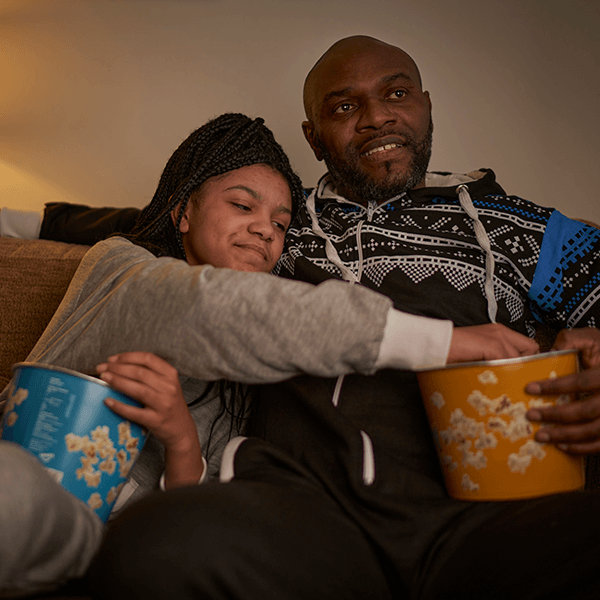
[[209, 324]]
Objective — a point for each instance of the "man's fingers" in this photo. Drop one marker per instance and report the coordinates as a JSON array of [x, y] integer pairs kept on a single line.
[[568, 434], [581, 448], [579, 411], [584, 381]]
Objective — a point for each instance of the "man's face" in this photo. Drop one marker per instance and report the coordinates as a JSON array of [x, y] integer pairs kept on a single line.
[[238, 220], [370, 121]]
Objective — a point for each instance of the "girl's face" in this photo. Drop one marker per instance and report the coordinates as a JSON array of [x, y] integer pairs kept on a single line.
[[238, 220]]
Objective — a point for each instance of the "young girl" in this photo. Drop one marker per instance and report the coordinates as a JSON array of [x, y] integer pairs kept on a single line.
[[225, 199]]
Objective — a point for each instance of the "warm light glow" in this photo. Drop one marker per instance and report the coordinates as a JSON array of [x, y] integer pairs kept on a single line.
[[26, 191]]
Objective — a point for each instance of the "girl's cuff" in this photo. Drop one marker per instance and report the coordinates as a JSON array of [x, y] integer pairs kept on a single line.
[[161, 483]]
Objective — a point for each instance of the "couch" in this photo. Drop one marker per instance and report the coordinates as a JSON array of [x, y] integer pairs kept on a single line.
[[34, 276]]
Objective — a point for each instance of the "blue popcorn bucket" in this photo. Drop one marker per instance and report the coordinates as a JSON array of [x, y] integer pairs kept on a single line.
[[59, 416]]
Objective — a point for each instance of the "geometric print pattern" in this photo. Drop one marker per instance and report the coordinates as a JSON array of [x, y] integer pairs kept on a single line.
[[568, 281], [421, 248]]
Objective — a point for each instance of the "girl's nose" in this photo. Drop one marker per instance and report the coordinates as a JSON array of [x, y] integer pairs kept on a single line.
[[262, 226]]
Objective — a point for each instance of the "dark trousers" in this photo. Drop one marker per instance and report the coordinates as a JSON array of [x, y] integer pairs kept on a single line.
[[276, 535], [241, 540]]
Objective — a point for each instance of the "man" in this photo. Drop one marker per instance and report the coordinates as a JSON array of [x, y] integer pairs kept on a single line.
[[343, 496]]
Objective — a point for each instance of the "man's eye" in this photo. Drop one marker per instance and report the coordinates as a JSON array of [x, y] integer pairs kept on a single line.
[[280, 226], [343, 108], [242, 207], [397, 94]]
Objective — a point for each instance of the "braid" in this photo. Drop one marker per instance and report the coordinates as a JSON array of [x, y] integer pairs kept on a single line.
[[224, 144]]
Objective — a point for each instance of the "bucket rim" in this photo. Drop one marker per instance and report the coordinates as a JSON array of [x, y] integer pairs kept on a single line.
[[45, 367], [499, 361]]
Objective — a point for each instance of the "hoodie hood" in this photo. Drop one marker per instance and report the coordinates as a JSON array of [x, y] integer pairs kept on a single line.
[[481, 182]]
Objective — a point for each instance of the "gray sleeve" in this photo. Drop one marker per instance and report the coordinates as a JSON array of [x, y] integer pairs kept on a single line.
[[47, 535], [211, 323]]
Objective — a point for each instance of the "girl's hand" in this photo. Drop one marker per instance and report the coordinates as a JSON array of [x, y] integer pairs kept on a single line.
[[488, 342], [155, 383]]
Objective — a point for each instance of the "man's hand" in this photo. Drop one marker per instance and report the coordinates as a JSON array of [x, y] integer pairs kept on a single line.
[[488, 342], [155, 383], [575, 427], [584, 339]]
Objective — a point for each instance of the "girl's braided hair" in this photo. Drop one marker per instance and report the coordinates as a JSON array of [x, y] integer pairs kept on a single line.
[[224, 144]]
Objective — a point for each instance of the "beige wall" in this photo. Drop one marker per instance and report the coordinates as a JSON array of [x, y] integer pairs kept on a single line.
[[96, 94]]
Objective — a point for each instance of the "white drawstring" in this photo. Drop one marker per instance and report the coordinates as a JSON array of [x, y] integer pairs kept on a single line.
[[330, 250], [368, 459], [334, 258], [484, 241]]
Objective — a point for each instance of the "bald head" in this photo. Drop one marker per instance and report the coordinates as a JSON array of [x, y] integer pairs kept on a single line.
[[345, 51]]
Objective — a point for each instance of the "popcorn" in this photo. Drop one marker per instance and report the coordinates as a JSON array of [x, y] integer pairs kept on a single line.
[[16, 398], [437, 400], [540, 402], [99, 456], [486, 440], [518, 462], [468, 484], [480, 402], [95, 501], [472, 437], [113, 493], [448, 462], [475, 459], [487, 377]]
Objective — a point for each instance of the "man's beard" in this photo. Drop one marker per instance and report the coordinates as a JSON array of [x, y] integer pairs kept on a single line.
[[345, 172]]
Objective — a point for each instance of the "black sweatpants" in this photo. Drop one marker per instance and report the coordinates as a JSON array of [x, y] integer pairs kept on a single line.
[[275, 535]]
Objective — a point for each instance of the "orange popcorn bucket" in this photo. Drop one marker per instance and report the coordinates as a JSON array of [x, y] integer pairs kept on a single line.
[[485, 443]]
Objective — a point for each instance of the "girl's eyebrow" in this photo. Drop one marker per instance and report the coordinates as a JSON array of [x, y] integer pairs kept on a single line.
[[257, 196], [250, 191]]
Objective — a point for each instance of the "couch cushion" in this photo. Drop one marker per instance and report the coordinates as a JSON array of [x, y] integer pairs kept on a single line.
[[34, 276]]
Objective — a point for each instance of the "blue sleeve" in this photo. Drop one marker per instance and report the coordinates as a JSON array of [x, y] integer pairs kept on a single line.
[[566, 283]]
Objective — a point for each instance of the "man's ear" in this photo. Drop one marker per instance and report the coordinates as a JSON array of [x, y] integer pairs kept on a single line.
[[184, 225], [309, 133], [426, 94]]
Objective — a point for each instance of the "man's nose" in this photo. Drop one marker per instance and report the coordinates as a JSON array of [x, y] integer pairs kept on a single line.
[[375, 114]]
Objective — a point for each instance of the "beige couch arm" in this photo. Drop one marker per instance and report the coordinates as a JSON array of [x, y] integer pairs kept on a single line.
[[34, 276]]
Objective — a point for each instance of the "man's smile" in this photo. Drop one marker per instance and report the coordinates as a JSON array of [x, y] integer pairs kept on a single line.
[[381, 146]]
